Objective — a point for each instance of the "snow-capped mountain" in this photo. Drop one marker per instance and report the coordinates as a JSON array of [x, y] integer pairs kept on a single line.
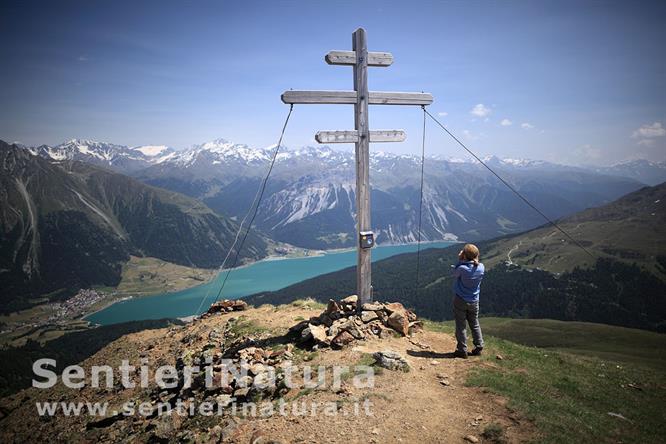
[[651, 173], [221, 151], [159, 152], [310, 200], [116, 157]]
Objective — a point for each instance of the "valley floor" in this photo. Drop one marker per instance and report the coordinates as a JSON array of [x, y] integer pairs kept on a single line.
[[141, 276]]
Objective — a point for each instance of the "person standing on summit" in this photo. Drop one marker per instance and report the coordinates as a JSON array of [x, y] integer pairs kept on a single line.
[[467, 274]]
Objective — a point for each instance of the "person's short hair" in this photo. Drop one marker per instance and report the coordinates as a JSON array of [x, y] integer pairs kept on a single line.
[[471, 252]]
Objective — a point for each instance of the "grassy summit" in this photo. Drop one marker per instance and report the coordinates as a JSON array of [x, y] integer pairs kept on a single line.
[[583, 383]]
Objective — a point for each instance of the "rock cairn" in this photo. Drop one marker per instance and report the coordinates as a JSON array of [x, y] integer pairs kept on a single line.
[[226, 306], [341, 323]]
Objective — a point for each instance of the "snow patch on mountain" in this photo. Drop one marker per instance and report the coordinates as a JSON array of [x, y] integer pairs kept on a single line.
[[151, 150]]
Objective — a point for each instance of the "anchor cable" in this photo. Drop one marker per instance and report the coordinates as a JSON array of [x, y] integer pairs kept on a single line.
[[255, 205], [516, 192], [418, 245]]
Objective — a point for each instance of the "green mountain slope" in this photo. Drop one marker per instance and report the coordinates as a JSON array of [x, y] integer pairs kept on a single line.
[[631, 229], [627, 289], [69, 225]]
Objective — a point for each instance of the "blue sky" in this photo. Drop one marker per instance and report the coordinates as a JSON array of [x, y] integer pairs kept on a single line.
[[574, 82]]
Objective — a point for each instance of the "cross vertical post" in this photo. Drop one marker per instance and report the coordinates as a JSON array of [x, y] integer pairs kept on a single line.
[[361, 124], [359, 58]]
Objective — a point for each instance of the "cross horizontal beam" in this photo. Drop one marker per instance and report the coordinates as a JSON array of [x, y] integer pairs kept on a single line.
[[350, 97], [351, 136], [380, 59]]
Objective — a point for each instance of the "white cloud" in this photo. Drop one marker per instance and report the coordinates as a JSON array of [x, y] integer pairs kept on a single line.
[[648, 131], [526, 126], [480, 110], [442, 113], [82, 58], [646, 142], [506, 122], [468, 135], [589, 153]]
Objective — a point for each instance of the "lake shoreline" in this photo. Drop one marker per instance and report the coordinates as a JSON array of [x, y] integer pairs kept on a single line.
[[268, 274], [270, 258], [275, 257]]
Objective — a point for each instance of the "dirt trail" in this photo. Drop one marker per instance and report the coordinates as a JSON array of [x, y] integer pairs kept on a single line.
[[406, 406]]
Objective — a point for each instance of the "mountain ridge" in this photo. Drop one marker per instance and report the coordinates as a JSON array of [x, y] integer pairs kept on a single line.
[[310, 197], [310, 200], [68, 225], [547, 278]]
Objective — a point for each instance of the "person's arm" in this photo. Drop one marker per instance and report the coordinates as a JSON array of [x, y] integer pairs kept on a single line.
[[458, 269]]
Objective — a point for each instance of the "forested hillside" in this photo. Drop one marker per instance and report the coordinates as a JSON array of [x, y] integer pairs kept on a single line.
[[537, 274], [69, 225]]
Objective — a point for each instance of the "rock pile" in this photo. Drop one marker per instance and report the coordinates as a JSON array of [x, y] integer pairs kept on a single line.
[[227, 306], [341, 323], [254, 365]]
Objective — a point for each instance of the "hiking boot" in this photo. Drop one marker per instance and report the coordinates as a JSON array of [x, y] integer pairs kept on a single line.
[[477, 351], [460, 354]]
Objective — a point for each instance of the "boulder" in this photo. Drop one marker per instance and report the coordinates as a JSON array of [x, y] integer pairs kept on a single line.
[[353, 299], [415, 326], [391, 360], [298, 327], [354, 330], [399, 322], [306, 334], [342, 339], [349, 303], [325, 319], [318, 332], [332, 307], [394, 306], [368, 316], [372, 306]]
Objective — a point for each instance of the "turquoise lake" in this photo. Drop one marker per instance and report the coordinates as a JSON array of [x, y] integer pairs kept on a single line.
[[266, 275]]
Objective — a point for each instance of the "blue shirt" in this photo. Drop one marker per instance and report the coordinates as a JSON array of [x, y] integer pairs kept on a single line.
[[468, 278]]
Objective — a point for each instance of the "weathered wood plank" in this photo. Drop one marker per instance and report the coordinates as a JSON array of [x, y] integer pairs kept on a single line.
[[351, 136], [350, 97], [378, 136], [320, 97], [364, 261], [400, 98], [379, 59]]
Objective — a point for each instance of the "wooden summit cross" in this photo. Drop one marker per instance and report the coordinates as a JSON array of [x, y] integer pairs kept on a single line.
[[359, 58]]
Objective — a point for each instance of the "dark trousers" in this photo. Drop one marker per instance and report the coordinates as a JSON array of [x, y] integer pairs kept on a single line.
[[466, 313]]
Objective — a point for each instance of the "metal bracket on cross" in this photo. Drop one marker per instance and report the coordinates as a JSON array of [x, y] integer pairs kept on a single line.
[[359, 58]]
